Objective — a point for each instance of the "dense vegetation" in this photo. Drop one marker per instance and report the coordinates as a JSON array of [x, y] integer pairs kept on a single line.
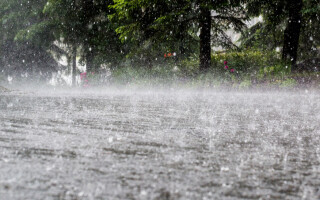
[[168, 39]]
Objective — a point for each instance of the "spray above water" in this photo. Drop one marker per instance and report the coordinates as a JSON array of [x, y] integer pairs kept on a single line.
[[159, 99], [86, 143]]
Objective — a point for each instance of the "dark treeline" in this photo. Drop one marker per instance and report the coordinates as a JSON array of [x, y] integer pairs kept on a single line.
[[35, 33]]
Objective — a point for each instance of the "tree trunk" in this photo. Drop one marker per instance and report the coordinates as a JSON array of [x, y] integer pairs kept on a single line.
[[149, 62], [89, 60], [292, 32], [181, 35], [205, 41], [74, 64]]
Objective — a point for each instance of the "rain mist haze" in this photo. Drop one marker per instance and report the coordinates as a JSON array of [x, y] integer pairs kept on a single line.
[[132, 99]]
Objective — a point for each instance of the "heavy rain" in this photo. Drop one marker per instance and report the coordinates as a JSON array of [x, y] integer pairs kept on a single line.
[[132, 99]]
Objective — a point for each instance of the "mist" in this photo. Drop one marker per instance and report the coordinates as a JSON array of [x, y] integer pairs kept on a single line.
[[119, 99]]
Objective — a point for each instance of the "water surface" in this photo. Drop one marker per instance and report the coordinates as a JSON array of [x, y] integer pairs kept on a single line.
[[160, 145]]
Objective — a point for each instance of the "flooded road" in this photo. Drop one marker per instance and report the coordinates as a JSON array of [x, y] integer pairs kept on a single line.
[[160, 145]]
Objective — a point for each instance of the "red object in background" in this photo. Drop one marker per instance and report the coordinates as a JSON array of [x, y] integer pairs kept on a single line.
[[227, 67], [84, 79], [83, 75], [167, 55]]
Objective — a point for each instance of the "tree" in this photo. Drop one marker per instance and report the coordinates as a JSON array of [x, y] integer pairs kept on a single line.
[[310, 28], [25, 55], [287, 23], [205, 35], [147, 20], [292, 31], [84, 26]]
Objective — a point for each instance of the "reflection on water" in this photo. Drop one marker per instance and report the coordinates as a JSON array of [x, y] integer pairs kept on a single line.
[[157, 145]]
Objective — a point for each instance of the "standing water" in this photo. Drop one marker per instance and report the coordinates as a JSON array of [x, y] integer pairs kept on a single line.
[[160, 145]]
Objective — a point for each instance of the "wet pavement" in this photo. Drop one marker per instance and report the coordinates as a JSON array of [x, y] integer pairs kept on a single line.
[[160, 145]]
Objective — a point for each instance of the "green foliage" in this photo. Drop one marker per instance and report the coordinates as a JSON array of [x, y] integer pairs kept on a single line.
[[190, 66], [16, 15], [263, 35], [275, 71], [174, 25], [24, 38], [39, 34], [288, 83], [310, 39], [245, 62], [86, 25], [131, 37], [245, 84], [269, 34], [164, 74]]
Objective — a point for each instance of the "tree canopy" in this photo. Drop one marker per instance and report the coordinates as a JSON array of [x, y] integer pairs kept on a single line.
[[291, 25], [139, 32], [184, 26]]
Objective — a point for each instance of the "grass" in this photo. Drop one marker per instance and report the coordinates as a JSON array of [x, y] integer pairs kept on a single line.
[[174, 76]]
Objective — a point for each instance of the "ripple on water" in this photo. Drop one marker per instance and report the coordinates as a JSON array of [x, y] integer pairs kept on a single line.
[[160, 146]]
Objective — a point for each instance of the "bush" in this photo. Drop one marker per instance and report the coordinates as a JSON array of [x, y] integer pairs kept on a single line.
[[245, 84], [250, 67], [288, 83], [247, 62], [140, 75], [278, 71], [189, 67]]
